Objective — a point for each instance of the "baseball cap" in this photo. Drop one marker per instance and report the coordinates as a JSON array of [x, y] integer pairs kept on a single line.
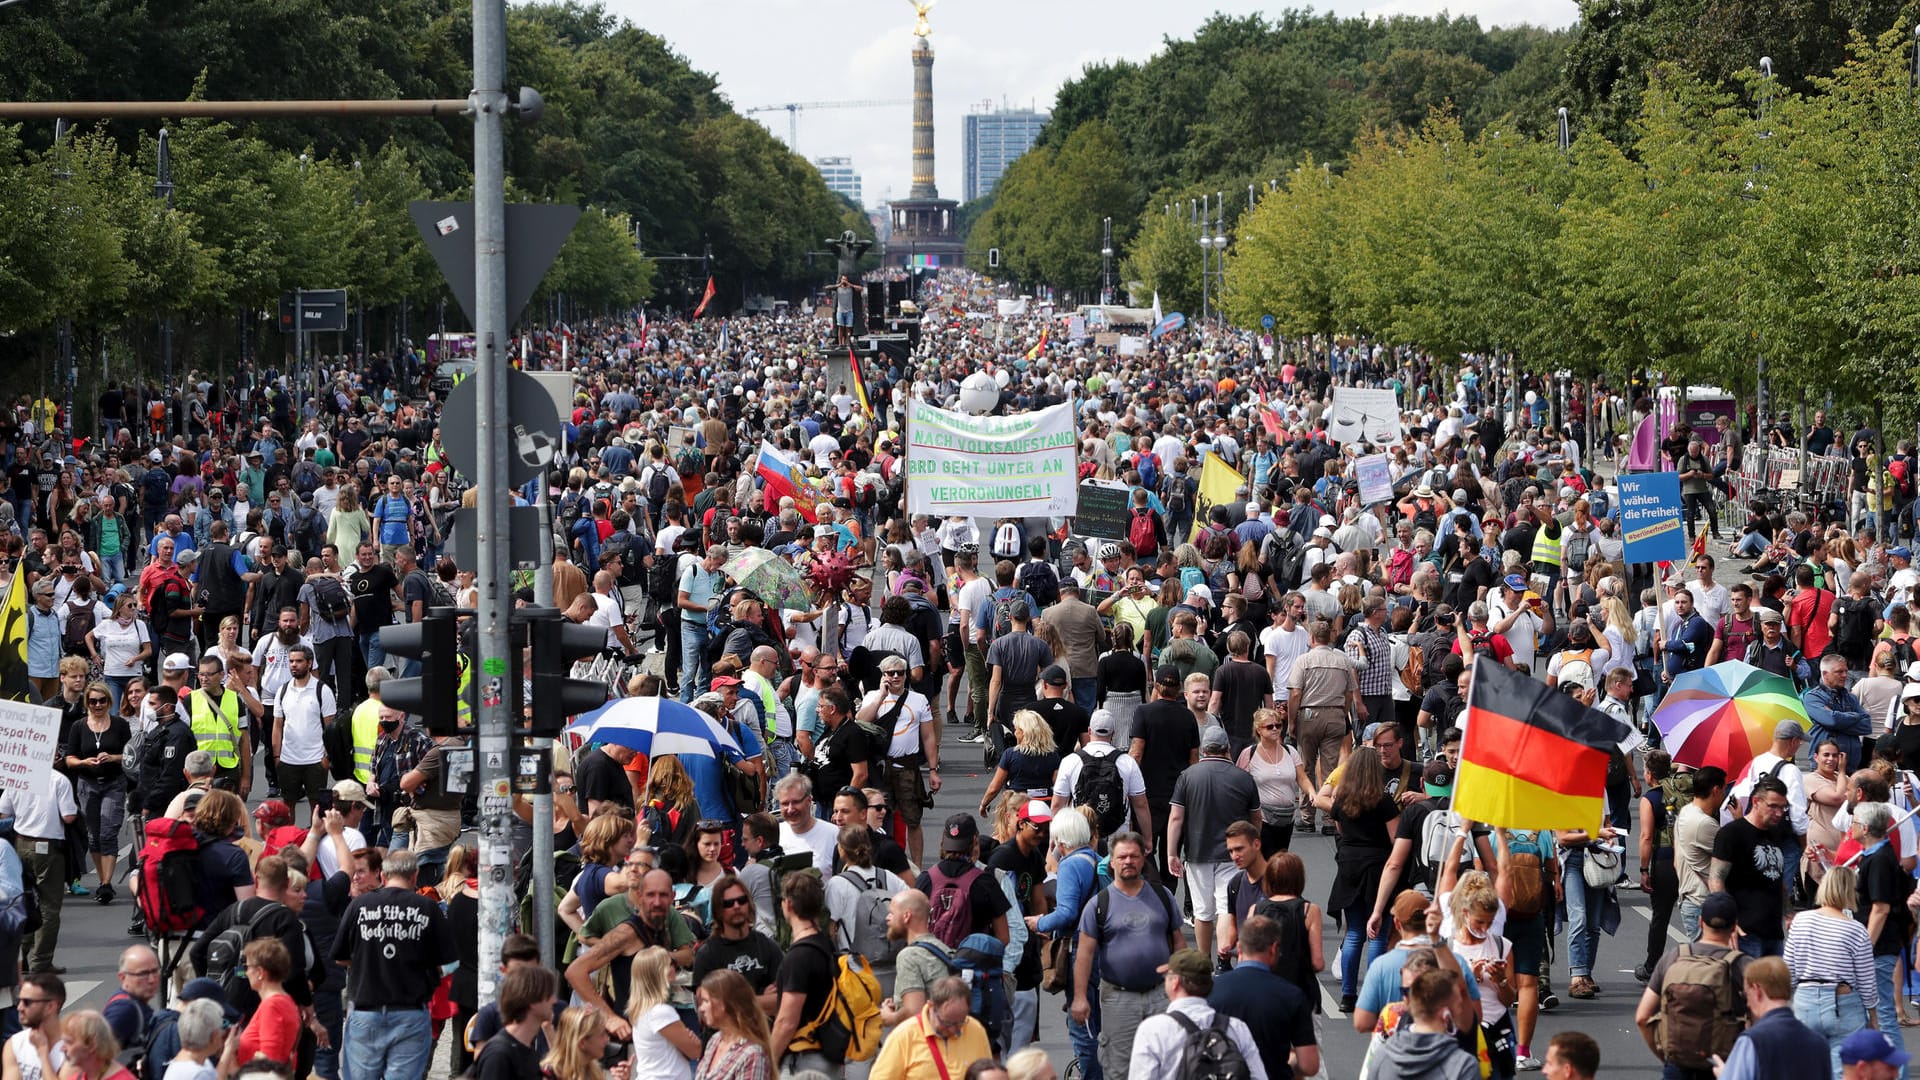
[[1868, 1044], [1516, 582], [1203, 592], [1214, 738], [1410, 908], [1719, 911], [1789, 729], [958, 835], [1101, 722], [1901, 552], [153, 456], [1167, 675], [1577, 673], [1036, 810], [177, 662], [209, 990], [187, 557], [1437, 777], [1323, 533], [273, 812], [724, 680], [1192, 966], [1055, 675], [349, 791]]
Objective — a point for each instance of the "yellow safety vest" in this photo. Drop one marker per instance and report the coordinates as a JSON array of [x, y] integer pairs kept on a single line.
[[218, 733], [463, 712], [1546, 549], [365, 731]]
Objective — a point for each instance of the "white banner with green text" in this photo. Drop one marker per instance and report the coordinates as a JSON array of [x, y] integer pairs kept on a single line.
[[991, 466]]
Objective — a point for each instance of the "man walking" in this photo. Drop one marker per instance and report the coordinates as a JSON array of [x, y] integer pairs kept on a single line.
[[1161, 1042], [302, 712], [1209, 796], [1323, 690], [39, 837], [1129, 930]]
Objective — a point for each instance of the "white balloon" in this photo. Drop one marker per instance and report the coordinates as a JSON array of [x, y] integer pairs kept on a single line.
[[1001, 378], [979, 393]]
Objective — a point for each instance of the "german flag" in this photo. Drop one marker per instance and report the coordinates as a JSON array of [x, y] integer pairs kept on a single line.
[[859, 382], [1533, 758]]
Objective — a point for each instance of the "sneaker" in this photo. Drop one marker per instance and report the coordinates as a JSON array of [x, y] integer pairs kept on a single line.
[[1326, 830], [1641, 972], [74, 888], [103, 895], [1347, 1002], [974, 737], [1527, 1064], [138, 927], [1549, 1000]]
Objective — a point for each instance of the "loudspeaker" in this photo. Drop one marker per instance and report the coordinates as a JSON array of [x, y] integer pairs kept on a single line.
[[876, 306]]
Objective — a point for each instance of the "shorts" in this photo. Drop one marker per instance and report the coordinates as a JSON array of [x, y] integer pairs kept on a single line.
[[904, 786], [1528, 935], [301, 783], [1207, 884], [956, 653]]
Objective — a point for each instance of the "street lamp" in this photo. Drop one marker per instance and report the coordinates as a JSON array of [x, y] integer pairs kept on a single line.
[[1106, 260], [60, 132]]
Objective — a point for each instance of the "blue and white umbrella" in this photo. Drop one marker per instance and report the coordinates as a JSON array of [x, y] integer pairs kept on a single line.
[[654, 726]]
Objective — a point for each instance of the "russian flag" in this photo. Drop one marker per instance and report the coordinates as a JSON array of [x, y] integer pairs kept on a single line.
[[782, 480]]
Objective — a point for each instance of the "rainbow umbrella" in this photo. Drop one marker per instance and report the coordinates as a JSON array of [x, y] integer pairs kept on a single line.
[[1725, 715]]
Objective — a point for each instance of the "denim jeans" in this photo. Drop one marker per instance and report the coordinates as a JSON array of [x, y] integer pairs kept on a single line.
[[433, 864], [693, 663], [1750, 546], [1832, 1015], [370, 648], [1086, 694], [1026, 1013], [1758, 947], [1888, 1011], [1690, 920], [393, 1045], [1351, 967], [326, 1008], [1583, 915], [113, 568]]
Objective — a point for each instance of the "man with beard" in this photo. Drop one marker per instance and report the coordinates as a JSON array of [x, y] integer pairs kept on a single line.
[[736, 945], [302, 711], [272, 668], [649, 924]]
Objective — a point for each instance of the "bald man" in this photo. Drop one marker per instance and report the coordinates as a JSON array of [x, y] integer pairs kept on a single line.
[[130, 1009], [607, 612]]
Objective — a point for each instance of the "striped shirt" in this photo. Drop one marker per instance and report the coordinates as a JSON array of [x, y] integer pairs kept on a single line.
[[1825, 949]]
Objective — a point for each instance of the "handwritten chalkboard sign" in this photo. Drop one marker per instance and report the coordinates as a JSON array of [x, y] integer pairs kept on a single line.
[[1103, 511]]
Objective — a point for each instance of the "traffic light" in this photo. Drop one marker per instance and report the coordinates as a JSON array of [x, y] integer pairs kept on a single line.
[[993, 258], [557, 643], [435, 694]]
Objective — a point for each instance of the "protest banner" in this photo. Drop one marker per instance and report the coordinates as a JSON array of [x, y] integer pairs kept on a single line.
[[1363, 412], [1102, 513], [1219, 482], [1376, 482], [991, 466], [1650, 517], [28, 734]]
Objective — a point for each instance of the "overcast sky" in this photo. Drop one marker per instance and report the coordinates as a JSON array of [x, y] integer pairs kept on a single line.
[[1017, 52]]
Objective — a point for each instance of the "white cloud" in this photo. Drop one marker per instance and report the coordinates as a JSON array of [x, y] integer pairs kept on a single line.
[[768, 52]]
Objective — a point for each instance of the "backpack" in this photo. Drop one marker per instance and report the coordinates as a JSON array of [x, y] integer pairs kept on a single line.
[[1040, 582], [980, 961], [1003, 609], [1424, 518], [1099, 786], [663, 579], [156, 487], [951, 919], [330, 598], [169, 869], [1285, 558], [77, 625], [848, 1027], [658, 485], [1853, 630], [161, 1045], [572, 505], [1006, 541], [304, 534], [1211, 1054], [1901, 471], [1413, 675], [1526, 874], [1695, 1020], [135, 1052], [1141, 532], [868, 935], [223, 952], [135, 753], [1148, 465], [1177, 493]]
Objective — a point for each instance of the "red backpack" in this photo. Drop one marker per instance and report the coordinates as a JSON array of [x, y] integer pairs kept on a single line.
[[1140, 532], [169, 865], [951, 919]]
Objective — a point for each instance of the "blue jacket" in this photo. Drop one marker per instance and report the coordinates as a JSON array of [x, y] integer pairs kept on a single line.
[[1836, 714], [1077, 881]]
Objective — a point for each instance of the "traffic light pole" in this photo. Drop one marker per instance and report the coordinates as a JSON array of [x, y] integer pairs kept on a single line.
[[488, 106]]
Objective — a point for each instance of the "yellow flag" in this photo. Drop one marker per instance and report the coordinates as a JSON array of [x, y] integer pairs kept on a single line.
[[13, 639], [1218, 484]]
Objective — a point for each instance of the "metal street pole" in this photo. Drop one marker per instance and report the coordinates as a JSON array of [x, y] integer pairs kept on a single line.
[[163, 188], [1760, 394], [488, 105]]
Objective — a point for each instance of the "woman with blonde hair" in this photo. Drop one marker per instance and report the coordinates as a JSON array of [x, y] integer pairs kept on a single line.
[[663, 1048], [348, 525], [579, 1042], [738, 1049], [1280, 776], [92, 1051], [1026, 767], [1474, 911]]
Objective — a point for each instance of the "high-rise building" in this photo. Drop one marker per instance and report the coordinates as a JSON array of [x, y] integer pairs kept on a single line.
[[993, 139], [840, 177]]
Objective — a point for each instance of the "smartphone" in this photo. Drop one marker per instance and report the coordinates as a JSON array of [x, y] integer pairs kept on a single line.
[[323, 801]]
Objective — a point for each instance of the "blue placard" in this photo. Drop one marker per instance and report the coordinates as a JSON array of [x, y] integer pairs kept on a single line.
[[1266, 322], [1650, 517]]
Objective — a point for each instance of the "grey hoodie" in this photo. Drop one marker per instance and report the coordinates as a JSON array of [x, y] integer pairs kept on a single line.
[[1418, 1055]]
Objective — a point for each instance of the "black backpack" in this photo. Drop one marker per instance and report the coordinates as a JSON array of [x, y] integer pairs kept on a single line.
[[1284, 557], [1853, 629], [659, 482], [1041, 582], [156, 487], [330, 598], [162, 1044], [663, 579], [304, 535], [223, 952], [1211, 1053], [1099, 786]]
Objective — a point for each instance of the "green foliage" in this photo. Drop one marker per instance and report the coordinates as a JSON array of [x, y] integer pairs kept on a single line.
[[1047, 211]]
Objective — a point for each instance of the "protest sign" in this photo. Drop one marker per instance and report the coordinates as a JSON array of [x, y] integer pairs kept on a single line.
[[1376, 482], [1103, 510], [1650, 517], [991, 466], [28, 734], [1362, 412]]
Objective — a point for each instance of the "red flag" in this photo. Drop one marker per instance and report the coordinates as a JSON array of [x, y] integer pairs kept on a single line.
[[705, 299]]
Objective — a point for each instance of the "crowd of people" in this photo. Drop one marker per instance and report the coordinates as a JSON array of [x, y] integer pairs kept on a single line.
[[1164, 716]]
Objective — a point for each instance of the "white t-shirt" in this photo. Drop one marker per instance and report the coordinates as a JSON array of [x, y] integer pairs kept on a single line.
[[822, 447], [1523, 635], [606, 612], [329, 865], [1131, 782], [1710, 603], [654, 1058], [270, 661], [119, 645], [1282, 648], [905, 727], [29, 1059], [819, 839], [665, 539], [973, 594], [40, 818], [298, 711]]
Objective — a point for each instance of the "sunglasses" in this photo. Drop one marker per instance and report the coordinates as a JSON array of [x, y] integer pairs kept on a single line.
[[883, 807], [735, 901], [99, 701], [712, 825]]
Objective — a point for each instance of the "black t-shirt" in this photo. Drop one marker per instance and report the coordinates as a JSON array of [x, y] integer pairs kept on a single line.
[[1029, 877], [1754, 867], [507, 1058], [887, 855], [372, 597], [395, 942], [1882, 882], [416, 587], [598, 776], [755, 957], [1477, 575], [845, 747], [1243, 685], [1068, 721], [1172, 736], [808, 970]]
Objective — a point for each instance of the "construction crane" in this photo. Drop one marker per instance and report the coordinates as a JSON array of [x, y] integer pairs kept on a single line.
[[794, 109]]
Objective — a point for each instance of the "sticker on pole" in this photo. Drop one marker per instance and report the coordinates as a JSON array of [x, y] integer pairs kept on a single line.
[[447, 225], [495, 666]]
